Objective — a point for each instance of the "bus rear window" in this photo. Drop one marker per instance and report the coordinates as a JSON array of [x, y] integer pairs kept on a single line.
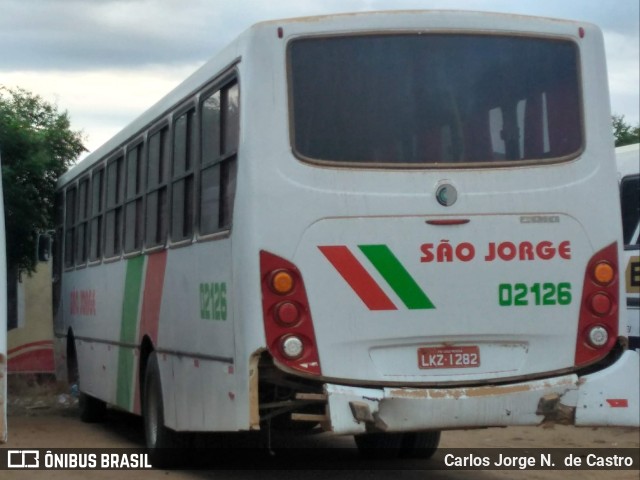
[[630, 203], [420, 100]]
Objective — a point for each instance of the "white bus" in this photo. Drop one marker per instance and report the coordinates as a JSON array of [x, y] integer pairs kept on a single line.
[[628, 159], [383, 224], [3, 322]]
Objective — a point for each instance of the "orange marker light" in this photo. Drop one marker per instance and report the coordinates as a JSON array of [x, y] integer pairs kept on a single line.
[[282, 282], [603, 273]]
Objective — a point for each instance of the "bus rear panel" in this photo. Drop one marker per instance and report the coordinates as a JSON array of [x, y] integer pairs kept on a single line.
[[454, 246]]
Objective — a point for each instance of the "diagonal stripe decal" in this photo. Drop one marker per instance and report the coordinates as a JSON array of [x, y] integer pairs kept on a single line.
[[144, 282], [128, 330], [397, 277], [150, 312], [357, 277], [366, 287]]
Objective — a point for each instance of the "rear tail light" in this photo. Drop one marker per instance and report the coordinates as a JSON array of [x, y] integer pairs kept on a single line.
[[287, 314], [287, 319], [600, 304], [598, 324]]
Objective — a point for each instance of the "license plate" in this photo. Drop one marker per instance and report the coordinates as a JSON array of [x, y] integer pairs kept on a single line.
[[449, 357]]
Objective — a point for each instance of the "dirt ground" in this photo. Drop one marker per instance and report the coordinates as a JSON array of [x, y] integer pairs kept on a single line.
[[46, 417]]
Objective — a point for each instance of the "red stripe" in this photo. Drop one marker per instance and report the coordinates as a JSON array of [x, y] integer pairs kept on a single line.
[[151, 302], [152, 296], [618, 402], [35, 361], [29, 345], [357, 277]]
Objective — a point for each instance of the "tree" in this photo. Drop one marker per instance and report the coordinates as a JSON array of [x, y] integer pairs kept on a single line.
[[37, 145], [623, 133]]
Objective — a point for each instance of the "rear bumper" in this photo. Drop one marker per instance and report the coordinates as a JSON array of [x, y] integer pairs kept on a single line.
[[609, 397]]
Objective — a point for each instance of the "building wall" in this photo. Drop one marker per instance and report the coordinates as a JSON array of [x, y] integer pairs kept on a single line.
[[30, 345]]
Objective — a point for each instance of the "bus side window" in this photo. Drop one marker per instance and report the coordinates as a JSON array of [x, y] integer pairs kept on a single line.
[[69, 227], [210, 168], [231, 132], [133, 199], [82, 220], [630, 203], [220, 134], [184, 148], [113, 217], [157, 179], [97, 207]]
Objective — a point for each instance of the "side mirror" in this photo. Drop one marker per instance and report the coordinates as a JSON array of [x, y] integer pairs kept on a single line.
[[45, 245]]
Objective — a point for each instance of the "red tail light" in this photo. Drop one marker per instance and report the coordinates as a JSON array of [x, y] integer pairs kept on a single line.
[[598, 325], [287, 319]]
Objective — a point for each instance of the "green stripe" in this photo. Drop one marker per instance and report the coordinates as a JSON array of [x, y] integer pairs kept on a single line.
[[397, 277], [128, 332]]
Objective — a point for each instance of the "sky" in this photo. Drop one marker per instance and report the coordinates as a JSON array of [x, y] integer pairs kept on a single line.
[[106, 61]]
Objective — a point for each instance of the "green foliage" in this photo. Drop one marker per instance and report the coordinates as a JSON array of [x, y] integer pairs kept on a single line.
[[37, 145], [623, 133]]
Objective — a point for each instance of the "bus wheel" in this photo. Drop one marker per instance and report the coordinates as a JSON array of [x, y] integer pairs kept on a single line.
[[157, 436], [92, 410], [420, 444]]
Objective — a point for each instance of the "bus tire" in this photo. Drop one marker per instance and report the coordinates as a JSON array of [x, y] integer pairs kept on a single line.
[[420, 444], [158, 438], [92, 410]]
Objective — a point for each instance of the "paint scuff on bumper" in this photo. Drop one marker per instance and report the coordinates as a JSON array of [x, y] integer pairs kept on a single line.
[[566, 399]]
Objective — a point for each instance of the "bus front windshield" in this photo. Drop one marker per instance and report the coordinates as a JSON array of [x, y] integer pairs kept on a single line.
[[420, 100]]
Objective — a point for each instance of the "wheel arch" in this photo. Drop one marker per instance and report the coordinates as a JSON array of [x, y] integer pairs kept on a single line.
[[146, 347]]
